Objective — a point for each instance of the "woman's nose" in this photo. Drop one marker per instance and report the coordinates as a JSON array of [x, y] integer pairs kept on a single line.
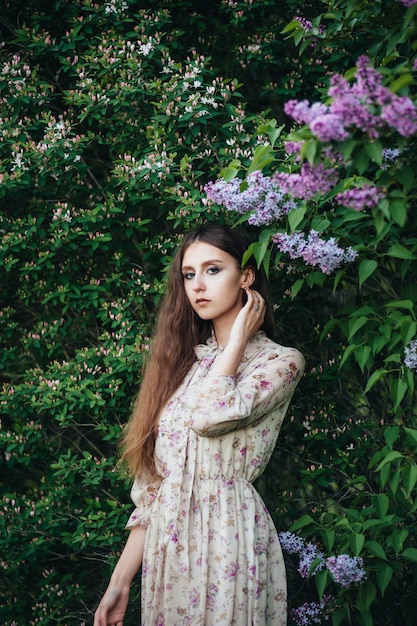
[[198, 283]]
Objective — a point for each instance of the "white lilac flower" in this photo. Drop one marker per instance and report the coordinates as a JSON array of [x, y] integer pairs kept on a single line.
[[410, 353]]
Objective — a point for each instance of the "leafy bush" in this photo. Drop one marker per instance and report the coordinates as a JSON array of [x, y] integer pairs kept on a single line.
[[115, 116]]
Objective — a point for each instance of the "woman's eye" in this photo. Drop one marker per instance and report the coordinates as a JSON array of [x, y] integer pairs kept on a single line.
[[188, 275], [213, 270]]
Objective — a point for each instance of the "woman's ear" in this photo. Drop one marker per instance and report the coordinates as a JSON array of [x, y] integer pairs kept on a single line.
[[248, 277]]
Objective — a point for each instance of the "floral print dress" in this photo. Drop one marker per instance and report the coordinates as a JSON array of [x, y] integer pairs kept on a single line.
[[212, 555]]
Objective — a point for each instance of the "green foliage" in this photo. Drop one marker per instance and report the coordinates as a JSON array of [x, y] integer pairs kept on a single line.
[[362, 402], [113, 117]]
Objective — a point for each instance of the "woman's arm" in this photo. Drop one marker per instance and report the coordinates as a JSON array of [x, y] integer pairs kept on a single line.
[[112, 608], [248, 321]]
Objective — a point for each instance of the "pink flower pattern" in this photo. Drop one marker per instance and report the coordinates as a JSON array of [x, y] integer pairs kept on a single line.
[[212, 555]]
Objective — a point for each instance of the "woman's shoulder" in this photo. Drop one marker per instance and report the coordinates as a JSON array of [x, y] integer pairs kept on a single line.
[[261, 343], [265, 354]]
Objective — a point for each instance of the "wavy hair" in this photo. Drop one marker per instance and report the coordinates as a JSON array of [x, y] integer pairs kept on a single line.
[[177, 331]]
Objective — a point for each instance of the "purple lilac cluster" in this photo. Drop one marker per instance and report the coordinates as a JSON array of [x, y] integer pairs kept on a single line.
[[408, 3], [346, 569], [292, 543], [410, 353], [366, 197], [262, 196], [311, 180], [353, 106], [308, 25], [391, 154], [314, 250], [307, 552], [311, 612]]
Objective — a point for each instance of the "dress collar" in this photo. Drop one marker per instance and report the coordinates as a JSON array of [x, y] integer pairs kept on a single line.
[[211, 348]]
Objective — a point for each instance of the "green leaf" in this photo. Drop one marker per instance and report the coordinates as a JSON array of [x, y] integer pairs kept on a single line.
[[295, 216], [402, 81], [381, 504], [409, 476], [410, 554], [357, 324], [305, 520], [411, 432], [263, 156], [400, 304], [361, 161], [408, 331], [391, 435], [309, 150], [340, 616], [320, 223], [349, 350], [357, 541], [400, 252], [397, 539], [390, 457], [406, 177], [362, 355], [366, 268], [374, 151], [398, 211], [321, 581], [296, 287], [328, 537], [376, 549], [398, 390], [248, 254], [376, 376], [384, 576], [293, 25], [366, 595], [229, 173]]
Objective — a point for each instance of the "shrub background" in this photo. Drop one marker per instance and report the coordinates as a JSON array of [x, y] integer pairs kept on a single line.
[[113, 117]]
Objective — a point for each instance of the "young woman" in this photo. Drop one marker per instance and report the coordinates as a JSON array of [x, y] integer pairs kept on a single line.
[[206, 421]]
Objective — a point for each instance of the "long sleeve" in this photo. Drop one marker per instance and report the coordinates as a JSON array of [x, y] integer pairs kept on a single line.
[[264, 383], [143, 494]]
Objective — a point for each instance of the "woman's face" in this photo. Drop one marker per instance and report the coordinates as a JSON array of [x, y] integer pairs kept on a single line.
[[213, 282]]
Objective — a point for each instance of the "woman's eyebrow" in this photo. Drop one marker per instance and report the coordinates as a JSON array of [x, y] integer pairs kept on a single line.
[[210, 262]]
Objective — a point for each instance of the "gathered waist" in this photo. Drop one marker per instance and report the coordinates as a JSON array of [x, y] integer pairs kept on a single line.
[[222, 480]]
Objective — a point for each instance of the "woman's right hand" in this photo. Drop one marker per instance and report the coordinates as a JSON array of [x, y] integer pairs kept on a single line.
[[112, 608]]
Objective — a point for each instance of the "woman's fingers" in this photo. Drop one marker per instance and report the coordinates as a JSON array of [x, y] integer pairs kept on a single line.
[[255, 301]]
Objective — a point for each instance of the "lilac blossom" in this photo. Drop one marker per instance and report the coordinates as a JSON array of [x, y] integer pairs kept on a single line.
[[400, 114], [391, 154], [358, 198], [314, 250], [308, 552], [262, 196], [345, 569], [366, 104], [292, 147], [408, 3], [328, 127], [291, 543], [305, 23], [410, 353], [311, 180], [350, 104], [311, 612], [304, 113]]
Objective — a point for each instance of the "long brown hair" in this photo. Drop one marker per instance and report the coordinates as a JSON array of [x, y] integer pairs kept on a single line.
[[177, 331]]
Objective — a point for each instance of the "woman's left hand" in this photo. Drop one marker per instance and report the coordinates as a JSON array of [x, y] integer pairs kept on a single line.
[[249, 319]]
